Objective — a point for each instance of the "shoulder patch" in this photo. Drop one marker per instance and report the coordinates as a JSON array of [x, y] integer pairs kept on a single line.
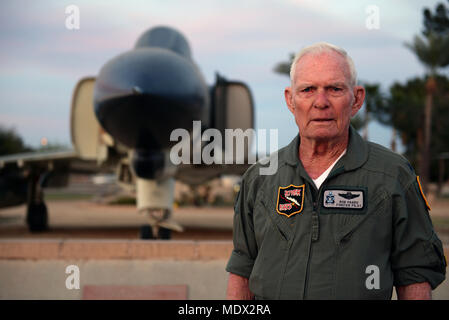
[[422, 194]]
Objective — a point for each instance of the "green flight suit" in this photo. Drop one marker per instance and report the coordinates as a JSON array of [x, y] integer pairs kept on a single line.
[[296, 242]]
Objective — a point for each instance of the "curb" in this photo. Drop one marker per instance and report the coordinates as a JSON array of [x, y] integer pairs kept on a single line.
[[114, 249]]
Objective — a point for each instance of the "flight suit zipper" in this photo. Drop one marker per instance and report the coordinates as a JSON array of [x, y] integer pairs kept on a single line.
[[316, 222], [313, 236]]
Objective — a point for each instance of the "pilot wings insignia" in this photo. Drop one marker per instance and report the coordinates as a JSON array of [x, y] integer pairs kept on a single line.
[[349, 195]]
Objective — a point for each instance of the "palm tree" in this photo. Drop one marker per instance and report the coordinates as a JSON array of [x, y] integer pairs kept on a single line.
[[374, 105], [433, 52], [284, 67]]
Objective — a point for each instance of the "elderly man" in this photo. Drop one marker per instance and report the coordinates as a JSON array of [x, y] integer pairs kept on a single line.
[[342, 218]]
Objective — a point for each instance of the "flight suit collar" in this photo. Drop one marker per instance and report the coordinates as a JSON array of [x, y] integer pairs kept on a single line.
[[356, 153]]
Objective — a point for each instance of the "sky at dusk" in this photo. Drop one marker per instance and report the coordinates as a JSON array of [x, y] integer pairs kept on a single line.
[[41, 60]]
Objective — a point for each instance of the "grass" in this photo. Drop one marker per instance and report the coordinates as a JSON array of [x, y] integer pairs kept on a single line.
[[124, 201]]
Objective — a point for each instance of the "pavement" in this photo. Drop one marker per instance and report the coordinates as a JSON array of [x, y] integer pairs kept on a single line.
[[31, 269], [103, 242], [85, 219]]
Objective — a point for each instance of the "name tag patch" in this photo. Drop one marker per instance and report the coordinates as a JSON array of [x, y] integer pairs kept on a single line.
[[344, 199]]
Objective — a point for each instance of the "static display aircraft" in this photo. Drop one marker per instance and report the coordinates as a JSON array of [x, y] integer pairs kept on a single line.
[[121, 121]]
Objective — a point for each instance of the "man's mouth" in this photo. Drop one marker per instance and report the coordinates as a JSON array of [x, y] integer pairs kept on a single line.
[[323, 119]]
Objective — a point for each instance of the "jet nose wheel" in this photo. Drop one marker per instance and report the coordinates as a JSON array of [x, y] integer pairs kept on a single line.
[[146, 232], [37, 217], [164, 233]]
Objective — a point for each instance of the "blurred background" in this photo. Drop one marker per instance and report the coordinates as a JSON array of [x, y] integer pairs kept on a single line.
[[400, 50]]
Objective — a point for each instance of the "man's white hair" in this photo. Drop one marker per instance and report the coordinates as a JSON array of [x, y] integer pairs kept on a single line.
[[323, 47]]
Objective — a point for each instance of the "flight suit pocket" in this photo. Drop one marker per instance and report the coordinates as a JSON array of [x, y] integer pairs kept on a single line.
[[348, 224], [434, 252], [273, 242], [277, 222], [269, 264]]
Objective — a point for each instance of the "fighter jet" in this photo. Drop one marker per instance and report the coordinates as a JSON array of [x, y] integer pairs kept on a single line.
[[122, 119]]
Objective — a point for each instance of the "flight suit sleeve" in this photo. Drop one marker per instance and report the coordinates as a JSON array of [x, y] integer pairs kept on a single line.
[[245, 248], [417, 252]]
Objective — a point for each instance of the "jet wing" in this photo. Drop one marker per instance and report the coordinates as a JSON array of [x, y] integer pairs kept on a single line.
[[69, 160], [46, 169], [36, 157]]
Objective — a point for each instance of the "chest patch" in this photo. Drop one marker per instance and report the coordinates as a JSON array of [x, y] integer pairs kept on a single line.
[[290, 200], [344, 199]]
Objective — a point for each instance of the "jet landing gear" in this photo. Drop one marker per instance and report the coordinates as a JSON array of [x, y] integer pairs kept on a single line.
[[37, 217], [160, 226], [37, 214], [155, 199], [146, 233]]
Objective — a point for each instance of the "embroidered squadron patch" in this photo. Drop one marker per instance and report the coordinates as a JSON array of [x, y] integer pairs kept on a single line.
[[343, 199], [290, 200]]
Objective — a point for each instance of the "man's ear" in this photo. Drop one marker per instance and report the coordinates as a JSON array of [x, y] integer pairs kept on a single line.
[[359, 97], [289, 99]]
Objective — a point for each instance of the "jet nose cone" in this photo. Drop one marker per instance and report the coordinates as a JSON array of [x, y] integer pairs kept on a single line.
[[167, 38], [141, 96]]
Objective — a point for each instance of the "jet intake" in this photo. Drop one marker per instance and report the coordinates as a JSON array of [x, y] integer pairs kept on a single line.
[[142, 95]]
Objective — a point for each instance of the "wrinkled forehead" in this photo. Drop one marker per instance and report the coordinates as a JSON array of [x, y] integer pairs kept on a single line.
[[321, 67]]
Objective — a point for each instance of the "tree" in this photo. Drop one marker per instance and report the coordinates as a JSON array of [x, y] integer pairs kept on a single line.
[[284, 67], [404, 112], [403, 109], [437, 22], [432, 51], [374, 103], [11, 142]]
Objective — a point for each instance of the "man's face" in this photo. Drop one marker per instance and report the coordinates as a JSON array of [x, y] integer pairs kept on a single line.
[[321, 97]]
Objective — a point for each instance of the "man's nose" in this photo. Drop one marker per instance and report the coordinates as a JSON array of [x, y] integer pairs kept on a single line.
[[321, 100]]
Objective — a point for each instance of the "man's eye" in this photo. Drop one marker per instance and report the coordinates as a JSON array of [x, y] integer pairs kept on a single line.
[[337, 89], [308, 89]]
